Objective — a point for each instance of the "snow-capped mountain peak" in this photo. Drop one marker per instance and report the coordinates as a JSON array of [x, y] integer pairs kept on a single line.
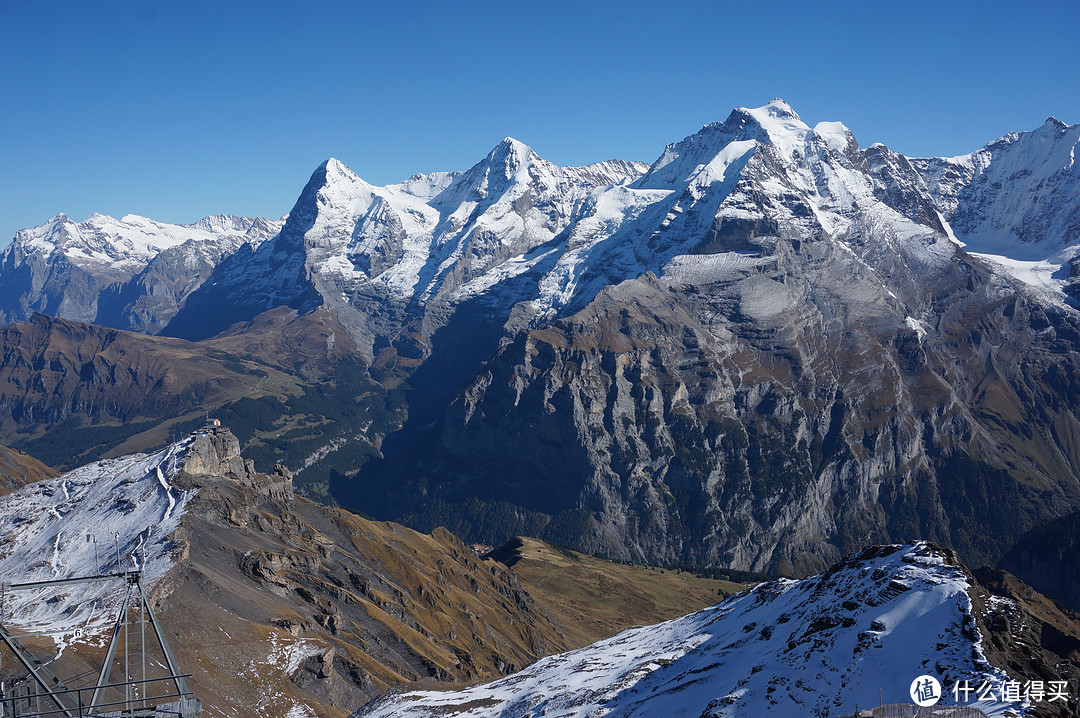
[[775, 125], [510, 156], [776, 115], [836, 136], [780, 126], [458, 235]]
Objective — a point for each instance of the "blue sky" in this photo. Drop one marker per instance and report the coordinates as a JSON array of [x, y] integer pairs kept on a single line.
[[179, 110]]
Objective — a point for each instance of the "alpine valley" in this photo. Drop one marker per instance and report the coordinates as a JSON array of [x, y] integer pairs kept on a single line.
[[764, 351]]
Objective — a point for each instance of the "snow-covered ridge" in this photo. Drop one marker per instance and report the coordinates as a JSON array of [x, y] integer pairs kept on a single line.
[[574, 230], [818, 646], [1014, 201], [129, 243], [108, 516], [411, 237]]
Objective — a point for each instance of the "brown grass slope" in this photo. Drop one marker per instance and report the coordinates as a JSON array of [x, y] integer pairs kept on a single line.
[[589, 598], [18, 469]]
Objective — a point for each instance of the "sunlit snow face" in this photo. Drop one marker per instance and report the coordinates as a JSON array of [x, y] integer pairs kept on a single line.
[[105, 517]]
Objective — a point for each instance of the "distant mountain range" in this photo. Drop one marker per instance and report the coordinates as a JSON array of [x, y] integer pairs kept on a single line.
[[132, 273], [766, 349]]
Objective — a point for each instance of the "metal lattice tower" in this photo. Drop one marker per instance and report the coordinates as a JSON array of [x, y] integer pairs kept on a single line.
[[42, 694]]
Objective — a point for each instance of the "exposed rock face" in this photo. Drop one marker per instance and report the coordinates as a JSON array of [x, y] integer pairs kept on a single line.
[[814, 365], [657, 426], [216, 452]]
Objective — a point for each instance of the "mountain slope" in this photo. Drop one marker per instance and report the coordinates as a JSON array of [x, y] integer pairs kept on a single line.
[[591, 599], [274, 603], [74, 390], [18, 469], [819, 647], [1045, 558], [65, 527]]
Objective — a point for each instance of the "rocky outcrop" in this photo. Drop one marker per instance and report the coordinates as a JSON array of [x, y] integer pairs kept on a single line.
[[324, 608], [216, 452]]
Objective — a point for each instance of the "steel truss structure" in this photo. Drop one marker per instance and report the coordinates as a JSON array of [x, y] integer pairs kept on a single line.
[[42, 694]]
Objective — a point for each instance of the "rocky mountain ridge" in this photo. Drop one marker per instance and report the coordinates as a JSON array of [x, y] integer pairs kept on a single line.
[[855, 636]]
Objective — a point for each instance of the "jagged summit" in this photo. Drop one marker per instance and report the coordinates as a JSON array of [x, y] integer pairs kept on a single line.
[[775, 108], [510, 147]]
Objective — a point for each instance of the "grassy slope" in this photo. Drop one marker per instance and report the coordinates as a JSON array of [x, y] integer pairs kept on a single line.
[[18, 469], [590, 598]]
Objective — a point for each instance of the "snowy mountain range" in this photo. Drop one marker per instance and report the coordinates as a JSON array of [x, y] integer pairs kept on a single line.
[[129, 273], [764, 350], [574, 230], [515, 228]]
